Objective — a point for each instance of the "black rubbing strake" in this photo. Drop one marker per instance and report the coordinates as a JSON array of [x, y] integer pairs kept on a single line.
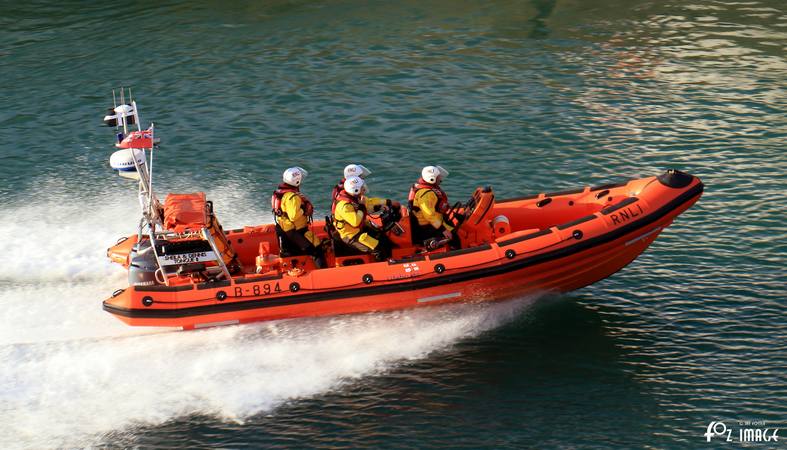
[[526, 237], [623, 203], [563, 226]]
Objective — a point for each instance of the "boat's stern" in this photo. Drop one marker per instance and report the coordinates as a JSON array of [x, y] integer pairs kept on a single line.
[[119, 303], [126, 303]]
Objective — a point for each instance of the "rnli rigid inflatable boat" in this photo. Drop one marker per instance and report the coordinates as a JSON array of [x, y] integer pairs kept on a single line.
[[185, 271]]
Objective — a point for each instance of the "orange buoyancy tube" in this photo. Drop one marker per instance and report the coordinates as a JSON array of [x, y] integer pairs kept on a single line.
[[278, 195], [442, 199]]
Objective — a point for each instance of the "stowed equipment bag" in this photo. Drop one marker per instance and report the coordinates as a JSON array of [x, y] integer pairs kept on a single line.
[[184, 212], [192, 212]]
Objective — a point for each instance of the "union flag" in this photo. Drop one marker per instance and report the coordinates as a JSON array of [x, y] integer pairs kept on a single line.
[[137, 139]]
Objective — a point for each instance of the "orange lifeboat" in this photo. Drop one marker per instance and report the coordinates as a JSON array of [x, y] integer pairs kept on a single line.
[[553, 242]]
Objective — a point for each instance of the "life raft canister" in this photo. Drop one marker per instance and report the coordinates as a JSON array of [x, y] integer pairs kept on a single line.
[[184, 212], [442, 198], [278, 195]]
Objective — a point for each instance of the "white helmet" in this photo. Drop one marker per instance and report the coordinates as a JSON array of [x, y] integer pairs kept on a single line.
[[433, 174], [355, 186], [294, 176], [356, 170]]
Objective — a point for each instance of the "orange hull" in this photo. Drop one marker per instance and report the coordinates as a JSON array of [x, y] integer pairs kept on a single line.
[[555, 243]]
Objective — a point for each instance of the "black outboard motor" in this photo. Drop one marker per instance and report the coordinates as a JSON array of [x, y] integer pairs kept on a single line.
[[143, 266]]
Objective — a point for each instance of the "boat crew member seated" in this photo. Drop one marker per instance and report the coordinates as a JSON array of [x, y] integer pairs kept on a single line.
[[373, 204], [293, 212], [352, 170], [351, 219], [428, 205]]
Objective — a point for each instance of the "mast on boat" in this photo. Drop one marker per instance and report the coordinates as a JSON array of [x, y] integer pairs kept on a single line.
[[131, 160], [153, 256]]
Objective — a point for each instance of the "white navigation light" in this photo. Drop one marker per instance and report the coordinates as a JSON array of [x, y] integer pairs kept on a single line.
[[122, 160], [115, 116]]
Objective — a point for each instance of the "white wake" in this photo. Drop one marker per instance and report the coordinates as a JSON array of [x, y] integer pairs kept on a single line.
[[71, 373]]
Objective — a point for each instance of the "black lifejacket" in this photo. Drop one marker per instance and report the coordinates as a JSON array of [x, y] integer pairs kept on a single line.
[[442, 199], [278, 195], [343, 196]]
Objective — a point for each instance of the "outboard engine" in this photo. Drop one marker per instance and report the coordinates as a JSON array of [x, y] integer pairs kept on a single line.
[[142, 265]]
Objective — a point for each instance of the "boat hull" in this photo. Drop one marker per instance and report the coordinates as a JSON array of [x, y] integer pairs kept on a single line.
[[560, 258]]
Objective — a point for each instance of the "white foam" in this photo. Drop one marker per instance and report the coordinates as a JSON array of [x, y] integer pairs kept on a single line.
[[55, 272], [68, 393], [70, 372]]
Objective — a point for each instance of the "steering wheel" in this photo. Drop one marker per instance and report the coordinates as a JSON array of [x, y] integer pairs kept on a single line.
[[389, 218]]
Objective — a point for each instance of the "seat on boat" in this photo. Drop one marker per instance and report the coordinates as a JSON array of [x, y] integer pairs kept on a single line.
[[423, 237], [340, 248]]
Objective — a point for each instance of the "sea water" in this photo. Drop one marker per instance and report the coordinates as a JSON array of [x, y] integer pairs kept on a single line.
[[525, 96]]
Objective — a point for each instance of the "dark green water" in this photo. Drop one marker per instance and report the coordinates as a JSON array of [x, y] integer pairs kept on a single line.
[[526, 96]]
